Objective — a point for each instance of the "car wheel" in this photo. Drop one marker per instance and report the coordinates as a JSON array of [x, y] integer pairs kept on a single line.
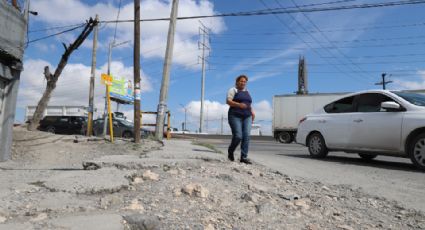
[[367, 156], [127, 135], [317, 146], [284, 137], [51, 129], [417, 151]]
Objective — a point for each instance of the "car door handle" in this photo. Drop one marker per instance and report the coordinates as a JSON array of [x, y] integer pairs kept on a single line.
[[322, 121], [358, 120]]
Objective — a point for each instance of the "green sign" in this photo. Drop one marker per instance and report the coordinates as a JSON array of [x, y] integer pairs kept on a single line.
[[122, 89]]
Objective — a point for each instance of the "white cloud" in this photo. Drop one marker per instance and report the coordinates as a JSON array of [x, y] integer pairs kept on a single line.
[[214, 111], [411, 85], [154, 34], [73, 84], [263, 110]]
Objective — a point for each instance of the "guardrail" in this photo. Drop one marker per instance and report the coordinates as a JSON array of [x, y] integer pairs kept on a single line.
[[168, 132]]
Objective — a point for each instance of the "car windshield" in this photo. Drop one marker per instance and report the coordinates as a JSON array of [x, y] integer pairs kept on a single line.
[[414, 98], [126, 123]]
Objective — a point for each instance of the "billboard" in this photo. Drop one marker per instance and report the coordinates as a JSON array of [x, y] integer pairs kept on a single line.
[[121, 90]]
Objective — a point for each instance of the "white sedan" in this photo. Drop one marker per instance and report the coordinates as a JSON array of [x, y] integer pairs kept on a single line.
[[370, 123]]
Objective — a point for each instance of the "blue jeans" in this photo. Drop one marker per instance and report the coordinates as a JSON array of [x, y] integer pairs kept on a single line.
[[241, 129]]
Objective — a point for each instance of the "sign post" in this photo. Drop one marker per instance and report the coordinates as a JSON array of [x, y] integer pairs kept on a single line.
[[107, 80]]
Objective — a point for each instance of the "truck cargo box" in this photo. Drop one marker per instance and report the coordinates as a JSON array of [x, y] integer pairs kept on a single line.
[[289, 109]]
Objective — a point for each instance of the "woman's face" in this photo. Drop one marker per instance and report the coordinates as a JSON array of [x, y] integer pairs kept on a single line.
[[241, 84]]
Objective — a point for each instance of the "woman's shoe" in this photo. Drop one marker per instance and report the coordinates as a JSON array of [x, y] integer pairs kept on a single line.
[[246, 161], [231, 157]]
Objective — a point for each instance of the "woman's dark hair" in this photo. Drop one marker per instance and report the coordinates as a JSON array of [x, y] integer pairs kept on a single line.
[[241, 76]]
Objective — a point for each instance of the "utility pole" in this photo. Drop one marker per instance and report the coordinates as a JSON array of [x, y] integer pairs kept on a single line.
[[93, 71], [222, 121], [162, 106], [185, 121], [383, 82], [302, 76], [203, 31], [207, 119], [105, 113], [136, 64]]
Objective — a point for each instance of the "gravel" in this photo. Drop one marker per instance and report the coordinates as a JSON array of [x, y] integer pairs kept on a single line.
[[171, 185]]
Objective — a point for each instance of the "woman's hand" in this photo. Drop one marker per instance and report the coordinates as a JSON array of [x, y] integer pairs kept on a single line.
[[252, 115], [242, 106]]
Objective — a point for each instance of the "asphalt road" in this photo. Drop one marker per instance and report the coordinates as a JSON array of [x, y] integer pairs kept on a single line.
[[390, 177]]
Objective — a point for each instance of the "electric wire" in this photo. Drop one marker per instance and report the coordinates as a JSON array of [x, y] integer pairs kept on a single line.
[[310, 47], [283, 11], [55, 34], [251, 13]]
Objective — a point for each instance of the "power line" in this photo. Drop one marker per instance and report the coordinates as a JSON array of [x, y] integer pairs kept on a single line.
[[119, 8], [323, 35], [329, 30], [249, 13], [56, 34], [333, 41], [331, 72], [55, 28], [324, 64], [329, 47], [388, 55], [116, 24], [274, 11], [303, 40]]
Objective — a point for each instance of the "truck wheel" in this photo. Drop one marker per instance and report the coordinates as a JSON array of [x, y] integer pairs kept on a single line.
[[51, 129], [416, 151], [317, 146], [367, 156], [127, 135], [284, 137]]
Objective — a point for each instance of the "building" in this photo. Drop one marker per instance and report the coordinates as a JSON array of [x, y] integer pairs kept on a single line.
[[13, 27]]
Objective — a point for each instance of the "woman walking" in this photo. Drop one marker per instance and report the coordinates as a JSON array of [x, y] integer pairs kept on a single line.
[[240, 116]]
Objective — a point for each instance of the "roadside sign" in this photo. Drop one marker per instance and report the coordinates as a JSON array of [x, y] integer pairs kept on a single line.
[[106, 79]]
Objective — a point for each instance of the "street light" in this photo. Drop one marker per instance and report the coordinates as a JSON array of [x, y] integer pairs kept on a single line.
[[111, 45], [185, 111]]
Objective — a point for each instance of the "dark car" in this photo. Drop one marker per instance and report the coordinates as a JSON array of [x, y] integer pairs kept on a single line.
[[63, 124], [122, 128]]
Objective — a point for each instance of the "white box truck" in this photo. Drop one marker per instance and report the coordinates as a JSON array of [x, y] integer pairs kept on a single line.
[[289, 109], [57, 110]]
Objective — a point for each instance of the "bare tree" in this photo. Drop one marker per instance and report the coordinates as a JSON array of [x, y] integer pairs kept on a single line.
[[53, 78]]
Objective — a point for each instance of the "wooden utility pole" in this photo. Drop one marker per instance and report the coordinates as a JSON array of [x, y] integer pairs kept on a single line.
[[162, 106], [136, 65], [92, 76], [383, 82], [53, 78], [302, 77]]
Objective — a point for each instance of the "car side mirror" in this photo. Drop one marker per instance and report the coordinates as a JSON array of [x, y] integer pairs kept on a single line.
[[391, 106]]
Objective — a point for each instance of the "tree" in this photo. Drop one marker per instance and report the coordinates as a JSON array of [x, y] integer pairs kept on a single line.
[[53, 78]]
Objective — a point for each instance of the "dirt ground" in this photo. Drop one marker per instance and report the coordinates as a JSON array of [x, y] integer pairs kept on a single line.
[[69, 182]]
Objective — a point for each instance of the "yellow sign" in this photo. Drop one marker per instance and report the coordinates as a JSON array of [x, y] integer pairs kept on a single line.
[[106, 79]]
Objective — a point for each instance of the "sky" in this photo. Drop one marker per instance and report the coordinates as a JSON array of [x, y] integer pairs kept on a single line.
[[345, 51]]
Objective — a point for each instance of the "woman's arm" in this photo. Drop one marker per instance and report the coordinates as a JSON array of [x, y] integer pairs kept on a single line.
[[232, 103]]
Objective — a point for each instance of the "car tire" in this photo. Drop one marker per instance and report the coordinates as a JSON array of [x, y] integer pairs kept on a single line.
[[127, 135], [317, 146], [51, 129], [367, 156], [284, 137], [416, 151]]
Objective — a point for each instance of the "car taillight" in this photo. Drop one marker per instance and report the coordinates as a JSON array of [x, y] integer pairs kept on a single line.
[[303, 119]]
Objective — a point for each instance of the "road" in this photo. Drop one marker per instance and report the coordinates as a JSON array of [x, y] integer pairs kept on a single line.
[[389, 177]]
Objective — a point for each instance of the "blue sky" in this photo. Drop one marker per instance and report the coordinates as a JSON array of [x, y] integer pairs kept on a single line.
[[345, 50]]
